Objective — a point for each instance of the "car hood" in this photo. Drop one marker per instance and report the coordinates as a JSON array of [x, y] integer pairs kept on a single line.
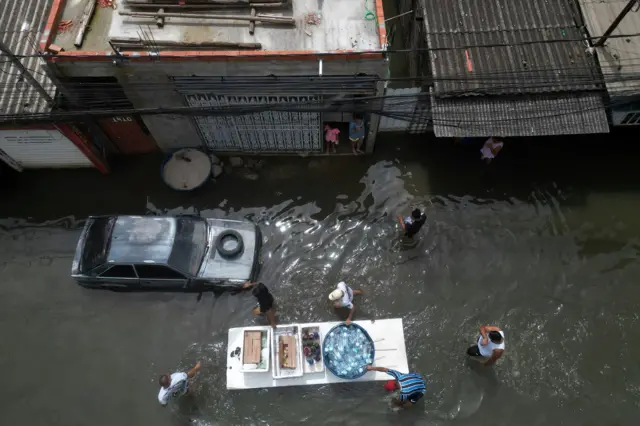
[[239, 268]]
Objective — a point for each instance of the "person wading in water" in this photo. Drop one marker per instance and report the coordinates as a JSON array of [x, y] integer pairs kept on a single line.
[[413, 223], [173, 386], [342, 297], [266, 304], [412, 386], [490, 346]]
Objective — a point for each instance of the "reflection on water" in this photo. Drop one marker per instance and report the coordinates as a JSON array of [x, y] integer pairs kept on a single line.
[[561, 279]]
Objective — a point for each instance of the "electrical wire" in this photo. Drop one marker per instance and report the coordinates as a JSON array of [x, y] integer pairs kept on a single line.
[[112, 95], [503, 82], [113, 92], [530, 73], [265, 54], [297, 107], [590, 70]]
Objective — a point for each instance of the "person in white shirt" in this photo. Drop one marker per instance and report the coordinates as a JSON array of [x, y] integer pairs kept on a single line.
[[490, 346], [490, 149], [343, 298], [175, 385]]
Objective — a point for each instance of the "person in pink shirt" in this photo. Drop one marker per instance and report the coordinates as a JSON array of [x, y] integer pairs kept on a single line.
[[331, 137], [490, 149]]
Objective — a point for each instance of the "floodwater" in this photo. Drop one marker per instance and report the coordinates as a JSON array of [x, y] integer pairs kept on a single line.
[[544, 243]]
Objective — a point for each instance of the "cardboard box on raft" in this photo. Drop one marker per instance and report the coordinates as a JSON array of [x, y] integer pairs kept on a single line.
[[252, 347], [288, 347]]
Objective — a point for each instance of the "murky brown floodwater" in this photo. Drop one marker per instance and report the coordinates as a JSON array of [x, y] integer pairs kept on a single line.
[[544, 246]]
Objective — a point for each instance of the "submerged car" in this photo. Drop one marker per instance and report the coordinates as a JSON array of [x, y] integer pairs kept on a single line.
[[187, 253]]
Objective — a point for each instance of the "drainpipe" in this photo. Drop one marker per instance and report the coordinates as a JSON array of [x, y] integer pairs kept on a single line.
[[374, 123]]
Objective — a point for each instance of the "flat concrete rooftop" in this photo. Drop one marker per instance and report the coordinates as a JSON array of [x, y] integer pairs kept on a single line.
[[343, 25], [620, 56]]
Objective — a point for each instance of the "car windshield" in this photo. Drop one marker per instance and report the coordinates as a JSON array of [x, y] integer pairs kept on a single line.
[[189, 245], [96, 243]]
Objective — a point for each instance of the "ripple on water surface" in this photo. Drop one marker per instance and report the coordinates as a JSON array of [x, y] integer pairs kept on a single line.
[[547, 274]]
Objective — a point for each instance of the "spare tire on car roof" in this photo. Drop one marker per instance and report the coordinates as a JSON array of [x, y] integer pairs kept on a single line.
[[229, 234]]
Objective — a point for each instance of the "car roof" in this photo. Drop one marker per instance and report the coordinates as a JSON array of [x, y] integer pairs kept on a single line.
[[142, 239]]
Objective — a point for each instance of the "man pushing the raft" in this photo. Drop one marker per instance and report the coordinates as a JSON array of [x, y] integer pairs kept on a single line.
[[412, 386]]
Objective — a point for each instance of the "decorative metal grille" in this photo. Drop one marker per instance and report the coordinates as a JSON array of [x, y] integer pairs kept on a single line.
[[265, 132]]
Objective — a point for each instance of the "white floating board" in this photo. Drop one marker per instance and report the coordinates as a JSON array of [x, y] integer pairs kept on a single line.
[[388, 337]]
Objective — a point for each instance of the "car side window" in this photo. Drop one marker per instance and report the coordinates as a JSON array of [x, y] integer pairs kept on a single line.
[[119, 271], [158, 272]]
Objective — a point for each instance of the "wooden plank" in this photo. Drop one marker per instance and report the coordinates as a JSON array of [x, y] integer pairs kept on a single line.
[[136, 42], [252, 347], [256, 347], [138, 4], [87, 14], [246, 348], [160, 19], [288, 352], [284, 20], [197, 7], [252, 24]]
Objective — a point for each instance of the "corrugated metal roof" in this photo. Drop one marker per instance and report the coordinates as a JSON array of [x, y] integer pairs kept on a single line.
[[517, 68], [620, 57], [520, 115], [21, 24], [483, 91]]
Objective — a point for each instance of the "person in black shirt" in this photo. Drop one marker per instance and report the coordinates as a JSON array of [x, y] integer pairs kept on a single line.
[[266, 304], [413, 224]]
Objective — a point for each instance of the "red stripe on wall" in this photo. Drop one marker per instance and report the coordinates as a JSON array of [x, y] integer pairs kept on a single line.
[[83, 145]]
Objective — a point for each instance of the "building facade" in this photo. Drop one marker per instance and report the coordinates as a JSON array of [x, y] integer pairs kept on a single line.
[[617, 55], [509, 68], [38, 145], [325, 52]]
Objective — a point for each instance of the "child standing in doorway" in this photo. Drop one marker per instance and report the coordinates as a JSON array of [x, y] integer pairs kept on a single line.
[[356, 135], [331, 138]]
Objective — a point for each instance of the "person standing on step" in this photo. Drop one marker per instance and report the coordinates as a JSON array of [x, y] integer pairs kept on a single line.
[[331, 138], [490, 346], [356, 135], [343, 298]]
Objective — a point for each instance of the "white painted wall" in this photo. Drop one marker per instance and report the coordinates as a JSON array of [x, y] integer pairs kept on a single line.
[[177, 131], [41, 149], [404, 105]]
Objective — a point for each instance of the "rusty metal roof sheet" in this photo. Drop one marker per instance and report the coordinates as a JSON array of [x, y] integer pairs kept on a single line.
[[503, 68], [514, 53], [519, 115]]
